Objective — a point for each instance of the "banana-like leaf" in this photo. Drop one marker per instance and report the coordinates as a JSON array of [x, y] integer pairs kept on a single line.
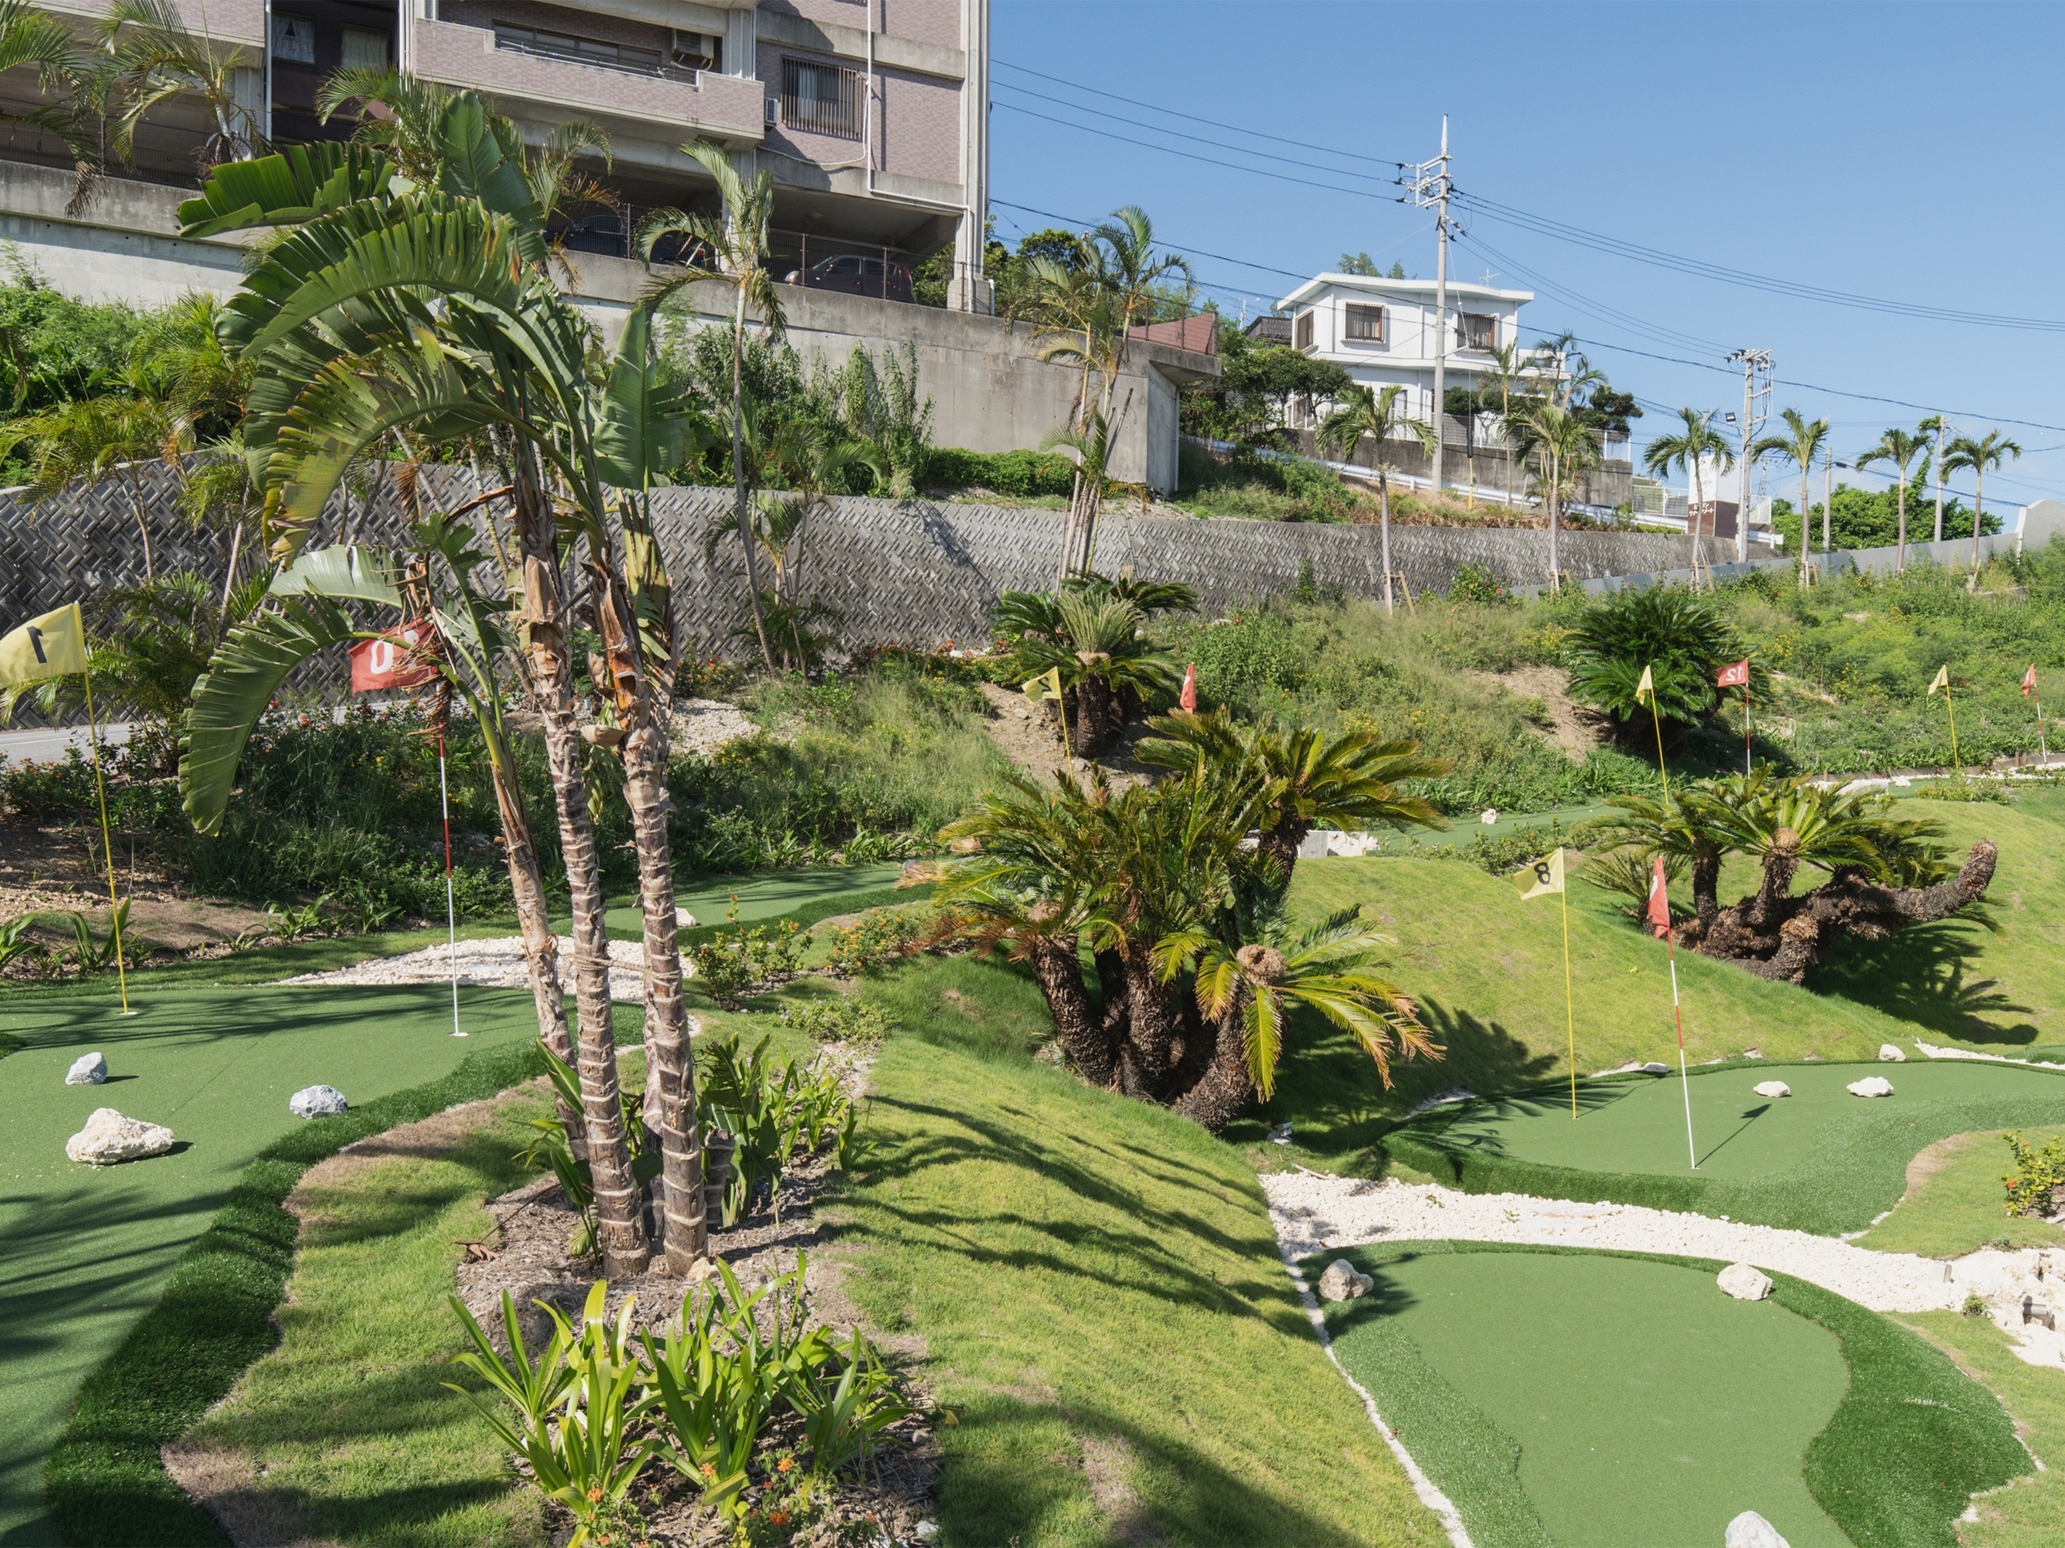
[[347, 572], [285, 189], [244, 673], [472, 165]]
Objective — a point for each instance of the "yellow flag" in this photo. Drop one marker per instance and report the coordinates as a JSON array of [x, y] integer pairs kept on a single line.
[[1543, 877], [1941, 679], [1049, 680], [51, 646], [1646, 689]]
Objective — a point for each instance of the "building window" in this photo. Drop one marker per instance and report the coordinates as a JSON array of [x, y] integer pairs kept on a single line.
[[1301, 331], [293, 39], [1365, 324], [1480, 331], [364, 50], [819, 99], [576, 50], [699, 51]]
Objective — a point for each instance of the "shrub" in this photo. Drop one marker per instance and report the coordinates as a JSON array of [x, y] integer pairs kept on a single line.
[[1965, 790], [774, 1110], [59, 790], [1679, 637], [1025, 474], [2039, 1170], [738, 962], [1474, 583], [843, 1019], [880, 936]]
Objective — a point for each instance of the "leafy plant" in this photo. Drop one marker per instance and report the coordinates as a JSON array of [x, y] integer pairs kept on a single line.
[[2039, 1170], [1679, 637], [879, 937], [554, 1145], [737, 962], [845, 1403], [774, 1109], [845, 1019], [1476, 584], [96, 954], [1629, 873], [1980, 790], [16, 944]]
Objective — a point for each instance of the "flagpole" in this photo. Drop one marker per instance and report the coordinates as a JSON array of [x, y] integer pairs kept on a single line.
[[107, 844], [444, 802], [1661, 772], [1746, 769], [1951, 705], [1569, 1013], [1678, 1016]]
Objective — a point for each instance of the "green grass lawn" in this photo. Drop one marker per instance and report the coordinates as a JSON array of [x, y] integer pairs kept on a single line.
[[89, 1251], [1819, 1160], [1958, 1206], [1095, 1288], [802, 895], [346, 1429], [1592, 1400]]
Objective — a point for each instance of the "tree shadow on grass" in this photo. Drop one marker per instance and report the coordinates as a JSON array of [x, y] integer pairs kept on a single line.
[[1924, 974], [1329, 1092]]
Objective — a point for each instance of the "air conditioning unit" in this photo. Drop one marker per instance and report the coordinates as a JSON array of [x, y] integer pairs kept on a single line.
[[774, 111]]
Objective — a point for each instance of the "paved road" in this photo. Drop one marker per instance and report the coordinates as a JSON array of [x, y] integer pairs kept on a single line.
[[45, 743]]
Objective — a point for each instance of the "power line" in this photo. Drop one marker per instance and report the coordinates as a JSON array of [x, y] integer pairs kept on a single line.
[[1155, 107]]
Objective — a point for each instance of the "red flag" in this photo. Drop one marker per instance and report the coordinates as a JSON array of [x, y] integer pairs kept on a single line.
[[391, 660], [2029, 680], [1659, 910], [1734, 675], [1187, 701]]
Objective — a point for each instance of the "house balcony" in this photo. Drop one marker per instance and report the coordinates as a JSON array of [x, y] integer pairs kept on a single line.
[[226, 21], [724, 107]]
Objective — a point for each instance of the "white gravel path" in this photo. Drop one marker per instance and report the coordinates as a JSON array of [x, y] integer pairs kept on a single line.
[[489, 964], [1315, 1212]]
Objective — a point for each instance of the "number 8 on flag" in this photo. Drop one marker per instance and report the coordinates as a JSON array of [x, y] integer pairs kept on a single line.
[[1543, 877]]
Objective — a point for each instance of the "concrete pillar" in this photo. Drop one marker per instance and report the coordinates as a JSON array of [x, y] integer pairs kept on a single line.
[[970, 290]]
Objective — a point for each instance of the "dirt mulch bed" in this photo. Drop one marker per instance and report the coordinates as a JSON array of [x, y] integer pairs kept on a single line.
[[46, 870]]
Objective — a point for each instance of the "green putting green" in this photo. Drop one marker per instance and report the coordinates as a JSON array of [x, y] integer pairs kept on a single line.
[[1818, 1160], [765, 895], [88, 1251], [1589, 1401]]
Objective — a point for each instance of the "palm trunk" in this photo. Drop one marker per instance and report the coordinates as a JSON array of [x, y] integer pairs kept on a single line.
[[143, 526], [1555, 524], [620, 1221], [1978, 513], [1900, 540], [1384, 532], [1152, 1023], [738, 472], [1278, 846], [1059, 972], [229, 573], [1226, 1090], [1806, 547]]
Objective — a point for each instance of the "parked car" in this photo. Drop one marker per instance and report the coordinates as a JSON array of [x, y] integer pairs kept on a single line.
[[858, 276]]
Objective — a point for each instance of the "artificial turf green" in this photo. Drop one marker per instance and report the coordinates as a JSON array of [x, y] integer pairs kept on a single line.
[[1819, 1160], [90, 1251], [805, 896], [1590, 1400]]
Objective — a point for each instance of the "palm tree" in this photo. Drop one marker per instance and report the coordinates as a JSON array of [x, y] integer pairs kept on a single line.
[[1509, 368], [1989, 451], [406, 117], [33, 39], [1800, 444], [1900, 448], [1688, 450], [1566, 447], [732, 245], [1108, 667], [349, 356], [156, 57], [1364, 412], [1934, 426]]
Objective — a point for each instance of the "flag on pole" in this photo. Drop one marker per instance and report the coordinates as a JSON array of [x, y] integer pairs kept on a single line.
[[1646, 689], [1734, 675], [51, 646], [1658, 911], [1187, 700], [1543, 877], [1941, 681], [394, 660], [1050, 680], [2029, 681]]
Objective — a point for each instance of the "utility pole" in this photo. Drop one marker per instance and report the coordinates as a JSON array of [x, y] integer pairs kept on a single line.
[[1756, 389], [1828, 496], [1429, 189], [1937, 421]]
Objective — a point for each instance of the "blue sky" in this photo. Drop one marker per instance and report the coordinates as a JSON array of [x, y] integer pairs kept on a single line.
[[1913, 153]]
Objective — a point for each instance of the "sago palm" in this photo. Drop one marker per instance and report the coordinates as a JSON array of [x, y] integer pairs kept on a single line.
[[1900, 448], [1108, 668], [1361, 412]]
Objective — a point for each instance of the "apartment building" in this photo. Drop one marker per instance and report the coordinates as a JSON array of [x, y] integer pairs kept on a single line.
[[871, 115]]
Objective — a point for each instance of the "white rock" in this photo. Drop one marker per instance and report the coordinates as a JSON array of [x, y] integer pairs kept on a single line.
[[1488, 816], [1773, 1088], [927, 1530], [1888, 1054], [1744, 1281], [1750, 1530], [87, 1070], [316, 1102], [1280, 1133], [1871, 1086], [1654, 1068], [683, 919], [1340, 1282], [109, 1137]]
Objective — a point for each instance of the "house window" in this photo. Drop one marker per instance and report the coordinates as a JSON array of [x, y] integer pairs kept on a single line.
[[699, 51], [576, 50], [293, 39], [1480, 331], [364, 50], [819, 99], [1301, 331], [1365, 324]]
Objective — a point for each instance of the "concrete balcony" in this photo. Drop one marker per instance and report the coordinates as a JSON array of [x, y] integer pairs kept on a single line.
[[725, 107], [225, 21]]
